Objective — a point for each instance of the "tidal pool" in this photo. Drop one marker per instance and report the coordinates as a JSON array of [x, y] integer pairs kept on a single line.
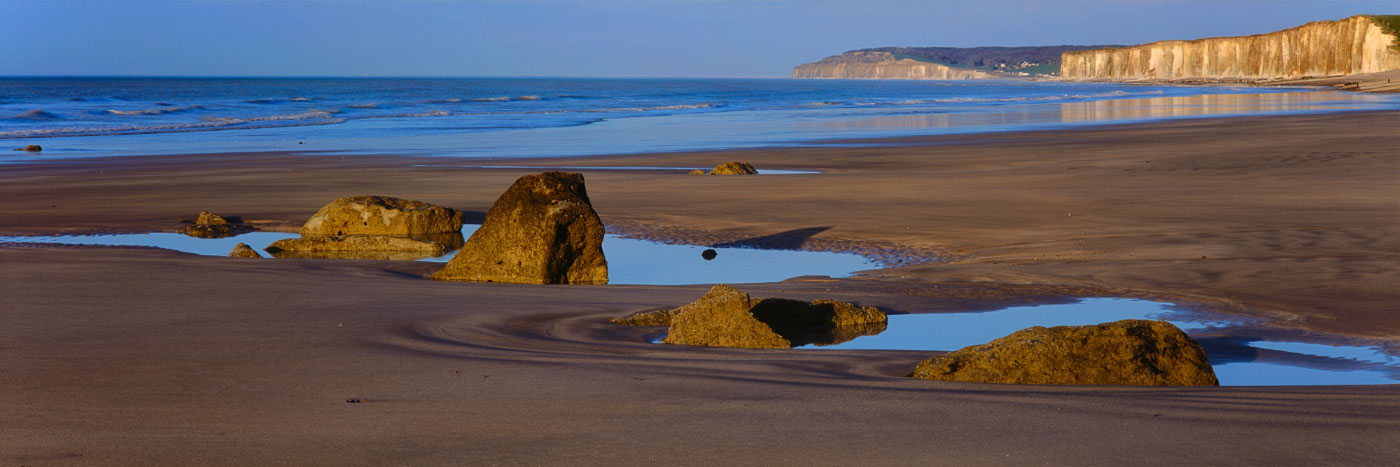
[[630, 261], [1240, 357], [658, 169]]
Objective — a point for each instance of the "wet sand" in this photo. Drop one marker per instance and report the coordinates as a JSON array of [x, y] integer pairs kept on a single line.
[[140, 356]]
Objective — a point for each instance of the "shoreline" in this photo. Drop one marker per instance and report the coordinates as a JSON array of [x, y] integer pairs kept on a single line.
[[1074, 109], [117, 353]]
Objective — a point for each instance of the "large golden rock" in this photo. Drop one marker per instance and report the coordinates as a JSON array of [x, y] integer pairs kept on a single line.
[[726, 317], [381, 215], [542, 230], [734, 168], [1127, 352]]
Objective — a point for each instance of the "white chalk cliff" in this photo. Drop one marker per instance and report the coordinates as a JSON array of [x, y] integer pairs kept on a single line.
[[882, 65], [1359, 44]]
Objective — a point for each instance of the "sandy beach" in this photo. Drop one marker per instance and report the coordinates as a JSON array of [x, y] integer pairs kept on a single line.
[[142, 356]]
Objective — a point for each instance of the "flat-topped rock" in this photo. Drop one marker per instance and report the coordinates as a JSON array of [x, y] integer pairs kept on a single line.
[[1127, 352], [542, 230], [726, 317], [734, 168], [381, 215], [242, 250], [356, 246]]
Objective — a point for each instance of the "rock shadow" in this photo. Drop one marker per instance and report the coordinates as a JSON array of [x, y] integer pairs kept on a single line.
[[472, 217], [789, 240], [815, 323]]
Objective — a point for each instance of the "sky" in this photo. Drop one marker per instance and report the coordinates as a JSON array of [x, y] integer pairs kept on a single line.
[[720, 38]]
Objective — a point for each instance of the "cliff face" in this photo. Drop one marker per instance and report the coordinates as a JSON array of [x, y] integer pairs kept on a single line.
[[1324, 48], [882, 65]]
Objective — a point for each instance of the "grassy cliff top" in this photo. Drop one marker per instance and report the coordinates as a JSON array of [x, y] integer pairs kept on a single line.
[[1390, 24]]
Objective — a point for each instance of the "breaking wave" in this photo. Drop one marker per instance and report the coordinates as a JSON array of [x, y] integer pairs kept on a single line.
[[211, 123], [503, 99], [659, 107], [35, 115], [279, 100], [154, 111], [312, 114]]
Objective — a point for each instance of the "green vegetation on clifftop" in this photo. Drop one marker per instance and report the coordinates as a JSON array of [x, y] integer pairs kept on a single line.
[[1390, 24], [1032, 59]]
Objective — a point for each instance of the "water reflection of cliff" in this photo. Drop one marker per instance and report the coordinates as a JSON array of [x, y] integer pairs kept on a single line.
[[1106, 111], [1200, 105]]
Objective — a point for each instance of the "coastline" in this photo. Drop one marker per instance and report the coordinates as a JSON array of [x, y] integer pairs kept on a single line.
[[1377, 82], [225, 361]]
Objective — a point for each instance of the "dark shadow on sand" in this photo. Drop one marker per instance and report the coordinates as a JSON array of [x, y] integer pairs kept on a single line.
[[790, 240]]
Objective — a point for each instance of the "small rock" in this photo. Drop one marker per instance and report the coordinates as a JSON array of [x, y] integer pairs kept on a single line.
[[734, 168], [1127, 352], [697, 172], [31, 148], [209, 218], [210, 225], [381, 215], [709, 254], [242, 250], [726, 317]]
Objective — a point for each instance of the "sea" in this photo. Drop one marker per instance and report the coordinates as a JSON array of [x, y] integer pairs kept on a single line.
[[505, 118]]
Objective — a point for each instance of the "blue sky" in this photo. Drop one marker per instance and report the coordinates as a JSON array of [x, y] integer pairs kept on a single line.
[[581, 38]]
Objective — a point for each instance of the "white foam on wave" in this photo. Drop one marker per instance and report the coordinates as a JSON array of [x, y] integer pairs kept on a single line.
[[433, 113], [154, 111], [307, 115], [660, 107]]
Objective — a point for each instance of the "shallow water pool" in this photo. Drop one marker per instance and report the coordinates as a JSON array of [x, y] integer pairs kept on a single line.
[[644, 168], [630, 261]]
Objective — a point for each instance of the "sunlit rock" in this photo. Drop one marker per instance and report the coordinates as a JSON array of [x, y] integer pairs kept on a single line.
[[1127, 352], [726, 317], [734, 168], [542, 230], [242, 250], [381, 215]]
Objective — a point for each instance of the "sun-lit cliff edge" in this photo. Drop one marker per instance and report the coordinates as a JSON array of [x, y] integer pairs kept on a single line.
[[883, 65], [1359, 44]]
